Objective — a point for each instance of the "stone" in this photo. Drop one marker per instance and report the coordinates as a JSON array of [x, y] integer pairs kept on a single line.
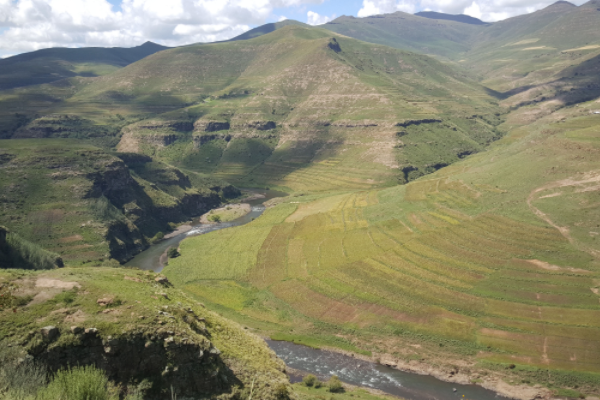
[[50, 333], [105, 302], [91, 331], [76, 330], [166, 296], [163, 280]]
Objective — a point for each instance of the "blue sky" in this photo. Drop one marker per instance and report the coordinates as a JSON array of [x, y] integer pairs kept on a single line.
[[27, 25]]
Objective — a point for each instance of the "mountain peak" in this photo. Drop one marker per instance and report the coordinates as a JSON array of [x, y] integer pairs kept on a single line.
[[465, 19], [561, 4]]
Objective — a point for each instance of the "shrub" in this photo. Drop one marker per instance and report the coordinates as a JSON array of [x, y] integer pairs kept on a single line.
[[157, 238], [173, 252], [335, 385], [26, 255], [20, 377], [79, 383], [215, 218], [281, 392], [318, 384], [309, 380]]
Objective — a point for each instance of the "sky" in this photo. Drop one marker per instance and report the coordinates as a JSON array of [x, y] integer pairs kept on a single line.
[[27, 25]]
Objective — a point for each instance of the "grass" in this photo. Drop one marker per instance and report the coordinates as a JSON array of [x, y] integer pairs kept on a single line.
[[443, 261], [92, 206], [120, 323]]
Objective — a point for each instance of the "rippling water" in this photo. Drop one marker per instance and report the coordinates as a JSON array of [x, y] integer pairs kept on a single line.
[[357, 372]]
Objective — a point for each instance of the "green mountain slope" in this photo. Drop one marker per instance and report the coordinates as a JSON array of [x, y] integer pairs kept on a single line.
[[465, 19], [266, 28], [492, 262], [89, 206], [410, 32], [297, 104], [49, 65]]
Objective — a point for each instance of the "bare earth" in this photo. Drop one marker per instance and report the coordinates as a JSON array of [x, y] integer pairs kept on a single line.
[[227, 213]]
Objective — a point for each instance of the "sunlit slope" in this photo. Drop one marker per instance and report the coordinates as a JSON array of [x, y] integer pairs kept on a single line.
[[494, 257], [301, 109], [410, 32], [531, 49]]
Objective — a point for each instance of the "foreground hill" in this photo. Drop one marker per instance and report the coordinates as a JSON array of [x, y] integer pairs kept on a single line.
[[50, 65], [145, 335]]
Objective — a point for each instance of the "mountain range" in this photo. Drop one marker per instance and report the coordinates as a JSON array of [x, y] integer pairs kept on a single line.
[[442, 177]]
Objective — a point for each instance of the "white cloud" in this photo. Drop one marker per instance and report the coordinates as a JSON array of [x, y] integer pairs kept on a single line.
[[315, 19], [487, 10], [27, 25], [282, 18]]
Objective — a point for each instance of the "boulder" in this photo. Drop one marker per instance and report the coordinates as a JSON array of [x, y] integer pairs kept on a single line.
[[50, 333]]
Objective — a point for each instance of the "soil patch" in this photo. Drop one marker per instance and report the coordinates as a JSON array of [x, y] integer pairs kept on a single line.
[[226, 214]]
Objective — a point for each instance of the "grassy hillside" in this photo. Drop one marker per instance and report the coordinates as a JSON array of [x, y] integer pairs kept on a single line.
[[146, 336], [324, 113], [465, 19], [87, 205], [50, 65], [438, 37], [295, 108], [530, 50], [492, 261], [266, 28]]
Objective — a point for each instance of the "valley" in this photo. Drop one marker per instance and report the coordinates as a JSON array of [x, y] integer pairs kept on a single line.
[[441, 212]]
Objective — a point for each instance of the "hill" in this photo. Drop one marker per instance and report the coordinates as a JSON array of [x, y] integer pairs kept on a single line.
[[488, 268], [90, 206], [405, 31], [266, 28], [146, 336], [50, 65], [298, 99], [465, 19]]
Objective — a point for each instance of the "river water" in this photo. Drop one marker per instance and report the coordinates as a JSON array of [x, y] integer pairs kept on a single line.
[[323, 363], [149, 259], [357, 372]]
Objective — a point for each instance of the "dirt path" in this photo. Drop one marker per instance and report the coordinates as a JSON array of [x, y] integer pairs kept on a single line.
[[589, 177]]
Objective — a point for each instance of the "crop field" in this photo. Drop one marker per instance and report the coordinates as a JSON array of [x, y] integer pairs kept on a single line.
[[470, 256]]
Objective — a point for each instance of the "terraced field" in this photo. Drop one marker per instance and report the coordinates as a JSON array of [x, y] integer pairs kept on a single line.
[[471, 259]]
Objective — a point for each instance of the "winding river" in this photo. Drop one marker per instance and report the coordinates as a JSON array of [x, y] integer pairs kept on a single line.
[[324, 363], [150, 259]]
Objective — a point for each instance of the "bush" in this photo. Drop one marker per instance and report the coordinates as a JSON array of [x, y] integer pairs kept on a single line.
[[318, 384], [173, 253], [309, 380], [215, 218], [335, 385], [26, 255], [79, 383], [281, 392], [157, 238], [20, 376]]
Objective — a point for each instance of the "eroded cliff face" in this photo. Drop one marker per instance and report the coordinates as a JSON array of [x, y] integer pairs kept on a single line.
[[91, 206]]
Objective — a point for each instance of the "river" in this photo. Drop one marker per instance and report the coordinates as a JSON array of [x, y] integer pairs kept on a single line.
[[150, 259], [358, 372], [323, 363]]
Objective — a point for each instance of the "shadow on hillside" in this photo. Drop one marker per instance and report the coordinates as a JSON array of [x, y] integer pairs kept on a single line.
[[575, 85]]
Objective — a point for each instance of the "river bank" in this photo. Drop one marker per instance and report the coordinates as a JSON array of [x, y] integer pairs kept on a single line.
[[450, 383]]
